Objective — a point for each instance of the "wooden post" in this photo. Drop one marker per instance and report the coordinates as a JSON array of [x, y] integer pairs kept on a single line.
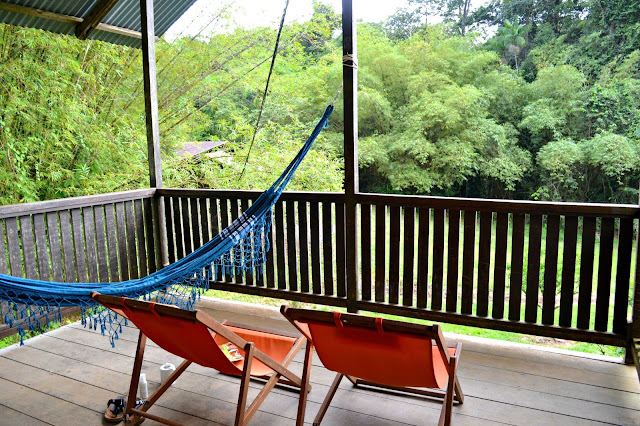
[[351, 184], [153, 127], [633, 330]]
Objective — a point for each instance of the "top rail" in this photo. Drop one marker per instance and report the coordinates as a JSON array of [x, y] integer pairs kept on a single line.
[[506, 206], [15, 210]]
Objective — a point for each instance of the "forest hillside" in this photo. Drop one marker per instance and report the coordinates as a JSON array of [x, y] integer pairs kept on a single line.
[[528, 99]]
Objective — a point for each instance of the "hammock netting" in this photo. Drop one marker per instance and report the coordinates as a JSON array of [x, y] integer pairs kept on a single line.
[[240, 247]]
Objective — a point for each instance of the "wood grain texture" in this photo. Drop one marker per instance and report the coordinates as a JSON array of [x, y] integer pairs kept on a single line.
[[303, 235], [424, 222], [586, 271], [468, 261], [380, 247], [327, 248], [533, 271], [550, 269], [484, 263], [438, 259], [568, 271], [603, 294], [394, 254], [500, 268], [408, 257], [453, 254]]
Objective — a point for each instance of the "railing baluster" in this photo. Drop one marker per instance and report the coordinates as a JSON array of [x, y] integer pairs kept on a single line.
[[607, 228], [196, 232], [177, 226], [365, 249], [112, 242], [327, 248], [550, 269], [90, 236], [132, 252], [424, 217], [292, 246], [568, 270], [278, 219], [341, 272], [453, 255], [438, 259], [186, 225], [484, 260], [314, 220], [42, 250], [154, 256], [533, 271], [101, 243], [67, 247], [3, 251], [468, 261], [171, 227], [517, 262], [204, 219], [28, 248], [303, 235], [407, 263], [140, 240], [380, 248], [122, 241], [623, 274], [238, 272], [224, 222], [394, 253], [244, 205], [500, 268], [586, 271]]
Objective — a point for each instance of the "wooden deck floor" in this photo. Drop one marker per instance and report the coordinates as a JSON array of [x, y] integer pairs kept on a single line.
[[66, 376]]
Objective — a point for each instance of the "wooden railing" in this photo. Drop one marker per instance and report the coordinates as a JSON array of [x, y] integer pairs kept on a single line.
[[552, 269], [86, 239]]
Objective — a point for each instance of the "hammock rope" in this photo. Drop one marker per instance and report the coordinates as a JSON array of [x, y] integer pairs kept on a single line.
[[240, 247]]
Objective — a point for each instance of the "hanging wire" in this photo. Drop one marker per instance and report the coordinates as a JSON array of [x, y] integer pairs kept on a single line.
[[266, 89]]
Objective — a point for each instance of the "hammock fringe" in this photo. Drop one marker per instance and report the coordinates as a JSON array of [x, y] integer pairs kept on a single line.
[[239, 248]]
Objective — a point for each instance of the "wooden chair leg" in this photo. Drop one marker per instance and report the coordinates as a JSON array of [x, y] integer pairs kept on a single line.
[[304, 389], [459, 396], [244, 384], [447, 404], [132, 419], [327, 399]]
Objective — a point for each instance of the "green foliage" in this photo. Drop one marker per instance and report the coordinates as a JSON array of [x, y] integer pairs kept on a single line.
[[548, 108]]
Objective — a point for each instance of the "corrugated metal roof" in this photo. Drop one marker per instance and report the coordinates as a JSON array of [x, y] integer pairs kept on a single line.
[[125, 14]]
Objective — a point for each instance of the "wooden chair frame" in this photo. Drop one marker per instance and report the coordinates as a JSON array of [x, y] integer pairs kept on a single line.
[[298, 317], [281, 373]]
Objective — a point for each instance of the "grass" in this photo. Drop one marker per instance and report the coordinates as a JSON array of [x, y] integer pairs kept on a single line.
[[12, 340], [449, 328]]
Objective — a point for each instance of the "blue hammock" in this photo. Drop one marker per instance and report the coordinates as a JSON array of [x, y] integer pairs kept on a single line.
[[242, 246]]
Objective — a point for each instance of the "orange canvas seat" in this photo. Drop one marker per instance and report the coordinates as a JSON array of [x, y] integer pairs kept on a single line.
[[380, 353], [196, 337]]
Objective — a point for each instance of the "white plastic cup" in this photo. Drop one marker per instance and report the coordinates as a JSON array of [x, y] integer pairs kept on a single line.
[[143, 387], [165, 371]]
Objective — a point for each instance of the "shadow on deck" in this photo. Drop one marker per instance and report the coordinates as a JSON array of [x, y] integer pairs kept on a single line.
[[66, 376]]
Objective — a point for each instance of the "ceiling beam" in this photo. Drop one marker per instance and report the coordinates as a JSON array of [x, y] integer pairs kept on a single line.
[[38, 13], [94, 17]]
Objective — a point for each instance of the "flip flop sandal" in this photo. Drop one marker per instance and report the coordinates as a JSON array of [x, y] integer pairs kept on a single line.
[[115, 410]]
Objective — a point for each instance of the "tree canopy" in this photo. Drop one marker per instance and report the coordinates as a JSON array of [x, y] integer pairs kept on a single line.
[[529, 99]]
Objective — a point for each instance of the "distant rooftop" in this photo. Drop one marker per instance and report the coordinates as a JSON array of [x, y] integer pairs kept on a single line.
[[190, 149]]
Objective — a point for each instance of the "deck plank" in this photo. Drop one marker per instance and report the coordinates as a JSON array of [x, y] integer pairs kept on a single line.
[[75, 368]]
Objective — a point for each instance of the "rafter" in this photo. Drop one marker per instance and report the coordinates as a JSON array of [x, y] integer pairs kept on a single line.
[[94, 17], [58, 17]]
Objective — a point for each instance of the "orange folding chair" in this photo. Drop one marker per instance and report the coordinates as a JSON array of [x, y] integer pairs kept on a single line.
[[196, 337], [379, 353]]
